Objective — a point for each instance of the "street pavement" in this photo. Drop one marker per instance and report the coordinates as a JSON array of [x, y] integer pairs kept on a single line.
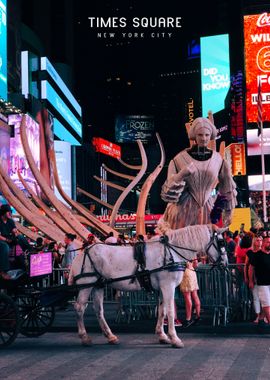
[[238, 351], [137, 357]]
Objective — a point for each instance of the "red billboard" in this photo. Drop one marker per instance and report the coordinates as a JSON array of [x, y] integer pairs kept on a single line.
[[106, 147], [257, 64]]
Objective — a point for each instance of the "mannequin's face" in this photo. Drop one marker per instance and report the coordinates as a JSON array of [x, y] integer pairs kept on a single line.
[[202, 137]]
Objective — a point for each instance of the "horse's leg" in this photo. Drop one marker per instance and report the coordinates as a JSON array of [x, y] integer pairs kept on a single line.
[[80, 306], [163, 338], [168, 297], [99, 310]]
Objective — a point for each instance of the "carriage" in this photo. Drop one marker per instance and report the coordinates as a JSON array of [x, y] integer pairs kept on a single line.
[[28, 307], [21, 310]]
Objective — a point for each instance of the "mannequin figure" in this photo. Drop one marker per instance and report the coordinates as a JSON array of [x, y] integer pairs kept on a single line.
[[192, 176]]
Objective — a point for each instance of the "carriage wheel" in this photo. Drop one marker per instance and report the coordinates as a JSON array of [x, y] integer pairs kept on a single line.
[[35, 318], [9, 320]]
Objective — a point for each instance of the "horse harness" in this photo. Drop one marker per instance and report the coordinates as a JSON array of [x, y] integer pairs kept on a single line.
[[143, 275]]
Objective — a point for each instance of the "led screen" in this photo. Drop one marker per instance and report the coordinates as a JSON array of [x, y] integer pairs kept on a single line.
[[134, 127], [40, 264], [255, 182], [257, 64], [63, 163], [46, 65], [47, 92], [62, 133], [3, 49], [4, 146], [215, 72], [254, 142], [18, 160]]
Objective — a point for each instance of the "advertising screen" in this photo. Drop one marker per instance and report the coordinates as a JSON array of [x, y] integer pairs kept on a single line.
[[254, 142], [18, 160], [4, 146], [107, 147], [134, 127], [63, 163], [215, 72], [47, 92], [3, 49], [62, 133], [40, 264], [235, 156], [257, 67], [46, 65], [255, 182]]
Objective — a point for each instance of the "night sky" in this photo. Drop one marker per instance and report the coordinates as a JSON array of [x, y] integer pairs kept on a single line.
[[137, 60]]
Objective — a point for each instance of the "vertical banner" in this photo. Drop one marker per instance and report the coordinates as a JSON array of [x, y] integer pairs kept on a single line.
[[63, 164], [257, 64], [215, 72], [3, 49], [235, 154]]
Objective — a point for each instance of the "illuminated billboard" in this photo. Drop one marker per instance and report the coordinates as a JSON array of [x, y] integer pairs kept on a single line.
[[215, 72], [235, 156], [62, 133], [129, 128], [46, 65], [47, 92], [254, 142], [18, 161], [4, 146], [63, 163], [257, 66], [255, 182], [3, 49], [107, 147]]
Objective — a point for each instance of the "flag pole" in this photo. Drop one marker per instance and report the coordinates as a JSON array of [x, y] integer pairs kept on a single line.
[[265, 219]]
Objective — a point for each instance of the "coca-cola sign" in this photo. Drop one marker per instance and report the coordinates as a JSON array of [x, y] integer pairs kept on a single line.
[[263, 20]]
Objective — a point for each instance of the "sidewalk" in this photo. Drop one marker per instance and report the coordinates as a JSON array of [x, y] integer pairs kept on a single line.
[[65, 321]]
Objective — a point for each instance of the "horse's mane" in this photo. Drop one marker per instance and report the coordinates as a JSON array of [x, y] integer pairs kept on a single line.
[[191, 237]]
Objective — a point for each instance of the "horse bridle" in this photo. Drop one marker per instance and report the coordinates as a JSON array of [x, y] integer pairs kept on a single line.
[[216, 240]]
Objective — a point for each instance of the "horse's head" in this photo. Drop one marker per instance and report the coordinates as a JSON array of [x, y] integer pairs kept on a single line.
[[216, 249]]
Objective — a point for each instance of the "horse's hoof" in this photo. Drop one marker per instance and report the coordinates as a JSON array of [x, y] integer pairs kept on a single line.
[[86, 341], [178, 344], [113, 340]]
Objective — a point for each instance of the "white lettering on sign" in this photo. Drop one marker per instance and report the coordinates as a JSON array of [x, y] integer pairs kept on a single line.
[[210, 71], [263, 20], [217, 81], [191, 111], [238, 158]]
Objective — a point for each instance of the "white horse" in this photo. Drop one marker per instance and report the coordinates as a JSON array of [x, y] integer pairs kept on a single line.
[[110, 262]]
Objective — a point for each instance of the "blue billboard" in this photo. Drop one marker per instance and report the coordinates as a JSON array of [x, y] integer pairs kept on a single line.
[[46, 65], [129, 128], [62, 133], [3, 49], [215, 72], [47, 92]]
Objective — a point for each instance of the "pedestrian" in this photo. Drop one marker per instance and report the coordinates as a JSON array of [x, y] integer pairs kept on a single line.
[[261, 263], [70, 250], [250, 278], [189, 288], [111, 239]]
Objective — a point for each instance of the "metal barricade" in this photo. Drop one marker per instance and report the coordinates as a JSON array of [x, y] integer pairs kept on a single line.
[[137, 305], [222, 291]]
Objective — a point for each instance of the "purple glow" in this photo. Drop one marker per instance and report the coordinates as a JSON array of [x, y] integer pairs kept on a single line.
[[40, 264], [17, 156]]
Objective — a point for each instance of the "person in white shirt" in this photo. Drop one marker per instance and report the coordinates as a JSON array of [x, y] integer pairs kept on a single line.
[[111, 239]]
